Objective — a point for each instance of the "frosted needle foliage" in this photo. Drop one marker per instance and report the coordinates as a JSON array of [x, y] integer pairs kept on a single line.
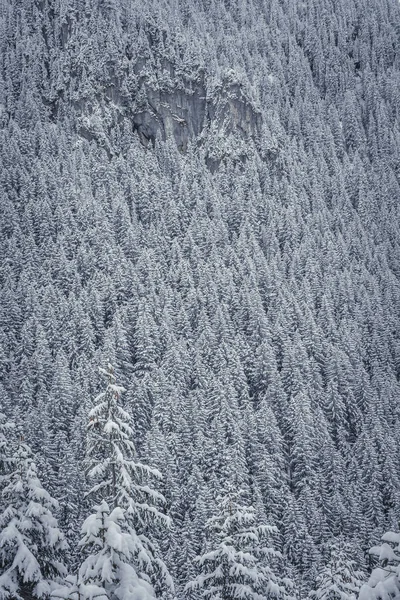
[[122, 555], [31, 544], [240, 559]]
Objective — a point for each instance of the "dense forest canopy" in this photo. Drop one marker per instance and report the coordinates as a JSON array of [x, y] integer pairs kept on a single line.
[[205, 195]]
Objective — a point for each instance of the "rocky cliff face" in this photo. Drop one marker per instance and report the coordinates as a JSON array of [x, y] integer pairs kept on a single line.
[[180, 111], [188, 112], [176, 107]]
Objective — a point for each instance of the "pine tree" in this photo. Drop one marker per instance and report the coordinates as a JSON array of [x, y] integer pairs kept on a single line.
[[120, 482], [239, 561], [107, 572], [339, 579], [5, 457], [384, 581], [31, 545]]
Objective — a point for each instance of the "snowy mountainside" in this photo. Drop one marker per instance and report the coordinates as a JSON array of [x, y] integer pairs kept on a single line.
[[205, 194]]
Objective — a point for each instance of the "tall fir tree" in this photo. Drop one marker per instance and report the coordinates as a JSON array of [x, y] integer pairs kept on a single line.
[[120, 484], [339, 579], [239, 561], [32, 548]]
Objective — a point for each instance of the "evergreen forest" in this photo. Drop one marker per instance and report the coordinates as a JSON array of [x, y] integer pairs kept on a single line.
[[199, 299]]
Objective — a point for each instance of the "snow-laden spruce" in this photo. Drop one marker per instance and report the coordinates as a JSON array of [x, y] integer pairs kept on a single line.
[[31, 544], [108, 571], [384, 581], [339, 579], [5, 458], [121, 556], [240, 562], [75, 589]]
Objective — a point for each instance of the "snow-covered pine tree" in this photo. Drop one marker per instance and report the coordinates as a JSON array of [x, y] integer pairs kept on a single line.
[[75, 589], [120, 485], [239, 562], [5, 456], [108, 571], [31, 545], [339, 579], [384, 581]]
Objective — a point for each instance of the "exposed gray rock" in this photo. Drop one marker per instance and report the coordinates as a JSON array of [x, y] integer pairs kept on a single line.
[[190, 111], [172, 106], [180, 113]]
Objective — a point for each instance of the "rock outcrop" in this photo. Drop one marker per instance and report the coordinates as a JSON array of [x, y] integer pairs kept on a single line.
[[191, 111], [173, 106]]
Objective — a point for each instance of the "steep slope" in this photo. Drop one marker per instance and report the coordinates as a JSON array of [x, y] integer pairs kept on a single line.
[[206, 194]]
